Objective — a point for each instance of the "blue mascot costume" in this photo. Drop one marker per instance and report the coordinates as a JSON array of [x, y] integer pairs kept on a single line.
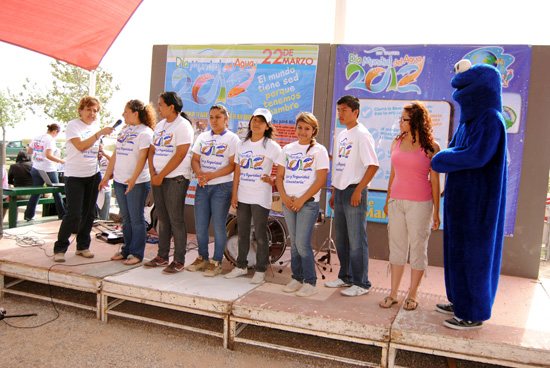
[[475, 196]]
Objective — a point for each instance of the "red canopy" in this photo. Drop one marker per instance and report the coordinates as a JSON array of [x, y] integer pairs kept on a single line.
[[77, 32]]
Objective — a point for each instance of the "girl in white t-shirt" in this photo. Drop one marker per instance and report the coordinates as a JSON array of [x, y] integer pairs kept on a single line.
[[43, 150], [81, 179], [301, 173], [213, 163], [171, 141], [252, 186], [131, 177]]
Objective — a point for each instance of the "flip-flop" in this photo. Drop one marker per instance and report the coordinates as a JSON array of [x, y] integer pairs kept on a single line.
[[409, 301], [131, 260], [385, 302], [117, 257]]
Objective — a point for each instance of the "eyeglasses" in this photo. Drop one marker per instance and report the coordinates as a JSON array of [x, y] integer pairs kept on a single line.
[[403, 120]]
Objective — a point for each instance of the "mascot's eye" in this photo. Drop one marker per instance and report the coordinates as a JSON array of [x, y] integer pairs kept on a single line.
[[462, 66]]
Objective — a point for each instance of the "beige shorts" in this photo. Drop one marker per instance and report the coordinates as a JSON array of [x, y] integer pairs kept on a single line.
[[409, 226]]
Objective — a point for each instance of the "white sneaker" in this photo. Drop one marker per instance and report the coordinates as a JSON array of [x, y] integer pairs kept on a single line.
[[307, 290], [236, 272], [259, 278], [338, 283], [355, 291], [292, 286]]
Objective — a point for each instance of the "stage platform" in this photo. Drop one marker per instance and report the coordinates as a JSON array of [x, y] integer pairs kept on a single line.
[[21, 261], [518, 334], [189, 292]]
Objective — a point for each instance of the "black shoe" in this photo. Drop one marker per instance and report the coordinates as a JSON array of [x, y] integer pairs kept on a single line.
[[460, 324], [28, 219], [445, 308]]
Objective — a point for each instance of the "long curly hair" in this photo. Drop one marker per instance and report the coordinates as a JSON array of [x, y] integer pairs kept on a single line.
[[146, 113], [421, 123]]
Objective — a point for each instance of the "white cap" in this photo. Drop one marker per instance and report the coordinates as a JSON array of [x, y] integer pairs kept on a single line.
[[263, 112]]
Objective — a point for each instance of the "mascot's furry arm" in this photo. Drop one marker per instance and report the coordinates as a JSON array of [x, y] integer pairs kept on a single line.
[[473, 151]]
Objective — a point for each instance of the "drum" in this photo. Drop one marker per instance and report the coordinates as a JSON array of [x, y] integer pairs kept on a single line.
[[276, 237]]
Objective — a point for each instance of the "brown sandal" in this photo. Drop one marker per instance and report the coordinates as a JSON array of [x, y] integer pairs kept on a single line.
[[384, 303], [408, 302]]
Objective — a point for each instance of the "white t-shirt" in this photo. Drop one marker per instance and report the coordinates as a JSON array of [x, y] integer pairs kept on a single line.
[[81, 164], [215, 150], [256, 160], [39, 146], [131, 140], [167, 137], [301, 167], [353, 154]]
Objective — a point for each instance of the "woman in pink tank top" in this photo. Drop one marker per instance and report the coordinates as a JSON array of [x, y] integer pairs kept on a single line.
[[412, 202]]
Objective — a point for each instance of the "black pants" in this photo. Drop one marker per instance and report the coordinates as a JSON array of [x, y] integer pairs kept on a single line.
[[81, 195]]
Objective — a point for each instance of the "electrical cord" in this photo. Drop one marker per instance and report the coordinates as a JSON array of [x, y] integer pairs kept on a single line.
[[32, 241]]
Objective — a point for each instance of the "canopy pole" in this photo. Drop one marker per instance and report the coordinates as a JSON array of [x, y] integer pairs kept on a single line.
[[91, 86], [340, 21]]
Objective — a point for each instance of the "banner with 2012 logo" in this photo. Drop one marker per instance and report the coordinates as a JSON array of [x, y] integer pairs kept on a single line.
[[386, 77], [243, 78]]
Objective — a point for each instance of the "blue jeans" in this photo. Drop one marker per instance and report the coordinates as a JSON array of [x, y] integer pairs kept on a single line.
[[212, 202], [133, 219], [300, 227], [81, 194], [170, 207], [37, 181], [351, 237]]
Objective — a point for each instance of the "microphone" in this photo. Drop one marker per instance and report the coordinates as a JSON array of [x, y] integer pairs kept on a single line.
[[117, 123]]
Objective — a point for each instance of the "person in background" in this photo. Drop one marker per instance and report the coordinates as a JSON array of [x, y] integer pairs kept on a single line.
[[355, 163], [132, 178], [81, 179], [19, 174], [301, 173], [412, 201], [171, 141], [103, 203], [43, 151], [5, 185], [251, 197], [213, 162]]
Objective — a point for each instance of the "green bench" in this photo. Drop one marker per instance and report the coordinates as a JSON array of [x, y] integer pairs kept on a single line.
[[13, 202]]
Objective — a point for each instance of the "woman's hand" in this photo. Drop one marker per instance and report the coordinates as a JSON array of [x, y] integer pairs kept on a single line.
[[288, 202], [156, 180], [131, 184], [234, 201], [105, 131], [268, 179], [436, 222], [297, 204], [104, 183], [386, 208]]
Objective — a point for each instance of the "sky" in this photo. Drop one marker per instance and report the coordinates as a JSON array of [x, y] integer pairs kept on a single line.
[[179, 22]]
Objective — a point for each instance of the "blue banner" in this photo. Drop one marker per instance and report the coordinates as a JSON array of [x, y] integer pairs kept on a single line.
[[385, 78], [280, 78]]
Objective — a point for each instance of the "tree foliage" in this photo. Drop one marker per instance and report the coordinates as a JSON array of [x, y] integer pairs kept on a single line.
[[70, 84], [10, 110]]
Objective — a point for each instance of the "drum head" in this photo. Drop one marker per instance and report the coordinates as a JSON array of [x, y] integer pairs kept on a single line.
[[276, 237]]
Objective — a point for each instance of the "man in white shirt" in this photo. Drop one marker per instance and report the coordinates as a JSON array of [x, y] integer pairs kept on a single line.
[[355, 163]]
